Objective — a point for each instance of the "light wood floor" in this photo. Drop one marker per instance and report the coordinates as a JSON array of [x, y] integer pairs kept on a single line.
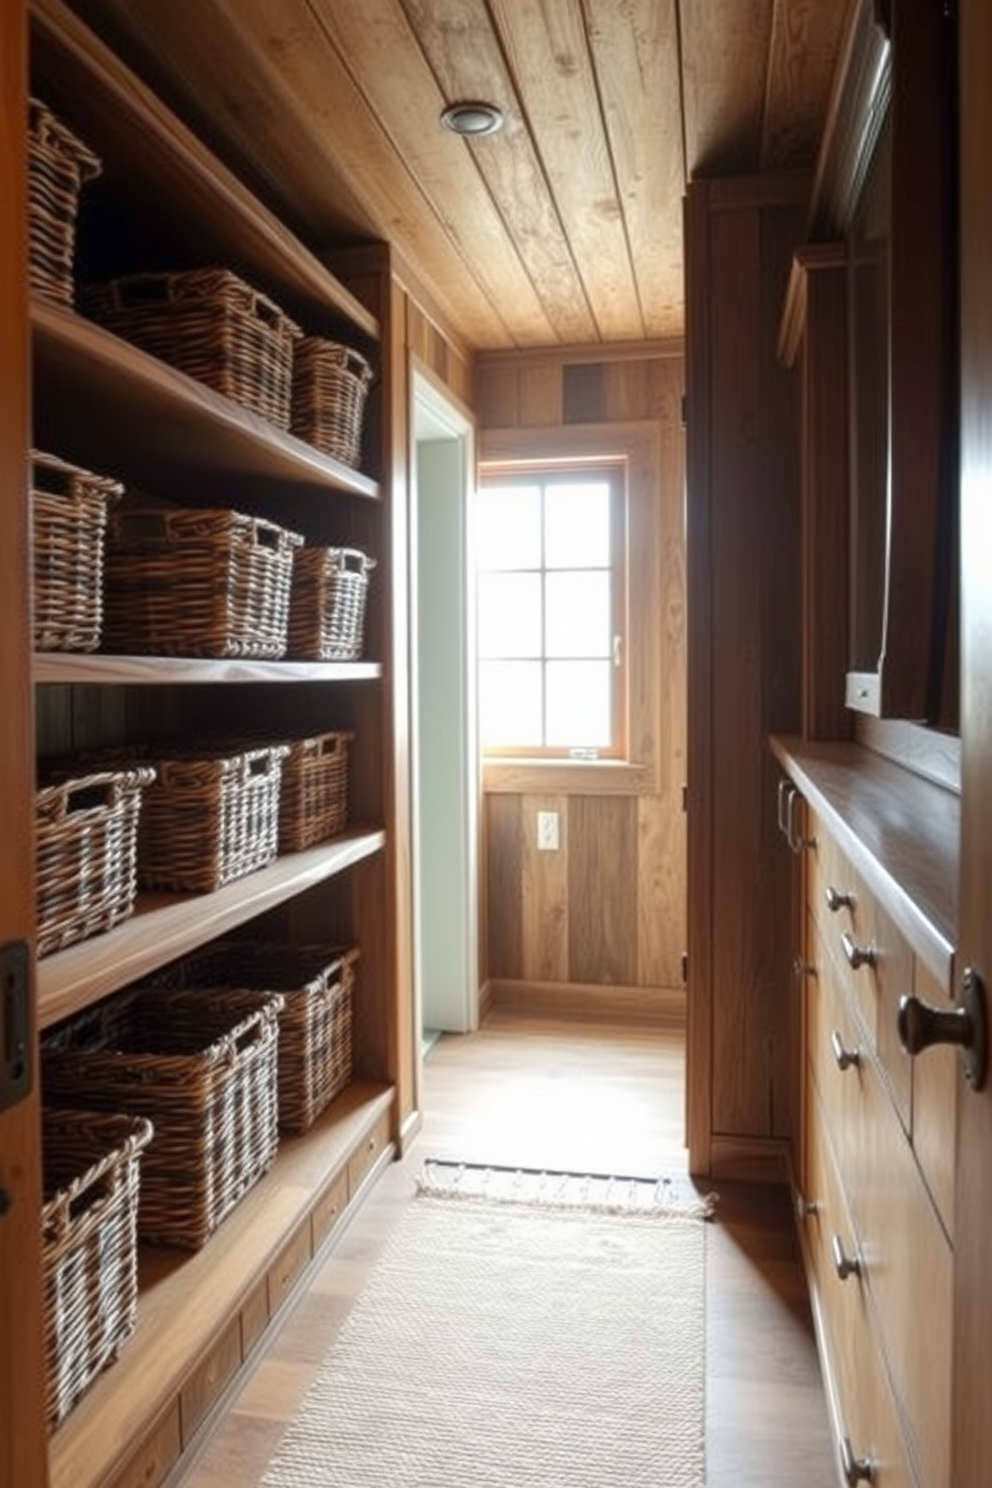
[[587, 1095]]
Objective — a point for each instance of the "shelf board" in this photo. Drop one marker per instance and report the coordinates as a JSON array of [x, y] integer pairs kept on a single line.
[[162, 420], [139, 139], [188, 1299], [168, 671], [165, 926]]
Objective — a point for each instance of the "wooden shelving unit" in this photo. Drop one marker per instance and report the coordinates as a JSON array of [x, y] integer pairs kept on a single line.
[[105, 404]]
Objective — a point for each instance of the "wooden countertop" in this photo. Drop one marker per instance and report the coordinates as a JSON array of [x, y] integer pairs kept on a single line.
[[900, 831]]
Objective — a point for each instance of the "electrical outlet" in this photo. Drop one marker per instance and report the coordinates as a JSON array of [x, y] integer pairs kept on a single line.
[[547, 831]]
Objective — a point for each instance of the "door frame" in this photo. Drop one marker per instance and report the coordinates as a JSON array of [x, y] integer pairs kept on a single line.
[[445, 778]]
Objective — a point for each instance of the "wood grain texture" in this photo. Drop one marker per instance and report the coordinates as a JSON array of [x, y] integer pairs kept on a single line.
[[805, 40], [544, 894], [971, 1463], [22, 1368], [724, 84], [504, 878], [823, 390], [602, 897], [743, 661]]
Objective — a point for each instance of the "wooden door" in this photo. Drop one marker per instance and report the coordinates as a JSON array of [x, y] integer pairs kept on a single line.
[[22, 1437], [972, 1426]]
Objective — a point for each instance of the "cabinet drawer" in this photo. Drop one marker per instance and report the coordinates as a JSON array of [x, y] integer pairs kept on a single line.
[[886, 972], [936, 1076], [909, 1271], [865, 1411], [367, 1154], [838, 1058]]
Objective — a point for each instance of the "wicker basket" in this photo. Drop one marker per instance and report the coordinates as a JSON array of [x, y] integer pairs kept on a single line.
[[313, 799], [86, 831], [68, 525], [89, 1218], [59, 165], [317, 983], [330, 385], [187, 582], [327, 604], [210, 817], [203, 1070], [209, 324]]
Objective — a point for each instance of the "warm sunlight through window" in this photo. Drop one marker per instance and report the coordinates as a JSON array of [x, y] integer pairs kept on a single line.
[[551, 611]]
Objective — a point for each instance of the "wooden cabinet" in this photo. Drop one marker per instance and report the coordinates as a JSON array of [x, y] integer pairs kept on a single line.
[[743, 588], [163, 201], [875, 1185]]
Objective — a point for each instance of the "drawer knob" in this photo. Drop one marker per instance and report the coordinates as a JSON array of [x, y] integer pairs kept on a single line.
[[857, 955], [844, 1058], [838, 899], [855, 1469], [844, 1264], [920, 1026]]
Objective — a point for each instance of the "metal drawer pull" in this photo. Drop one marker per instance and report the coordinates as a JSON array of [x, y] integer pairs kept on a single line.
[[805, 1207], [845, 1058], [919, 1026], [857, 955], [855, 1469], [785, 788], [838, 899], [844, 1264]]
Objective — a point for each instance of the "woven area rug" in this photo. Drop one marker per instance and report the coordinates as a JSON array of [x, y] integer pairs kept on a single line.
[[516, 1340]]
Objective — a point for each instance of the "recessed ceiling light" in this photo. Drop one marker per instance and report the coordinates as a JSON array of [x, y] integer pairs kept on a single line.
[[472, 118]]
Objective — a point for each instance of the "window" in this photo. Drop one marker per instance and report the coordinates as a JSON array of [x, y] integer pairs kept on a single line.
[[570, 688], [552, 610]]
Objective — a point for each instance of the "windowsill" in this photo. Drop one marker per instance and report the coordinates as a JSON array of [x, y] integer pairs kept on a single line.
[[568, 777]]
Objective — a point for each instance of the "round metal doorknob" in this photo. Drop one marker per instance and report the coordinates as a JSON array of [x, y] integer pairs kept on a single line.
[[920, 1026]]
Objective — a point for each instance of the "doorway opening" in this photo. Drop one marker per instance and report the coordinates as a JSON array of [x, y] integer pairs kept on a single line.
[[444, 747]]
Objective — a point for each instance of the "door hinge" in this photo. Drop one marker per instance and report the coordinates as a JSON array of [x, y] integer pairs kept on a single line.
[[15, 1023], [685, 968], [685, 407], [685, 798]]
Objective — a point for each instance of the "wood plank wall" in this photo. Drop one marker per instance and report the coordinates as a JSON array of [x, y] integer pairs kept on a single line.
[[607, 909]]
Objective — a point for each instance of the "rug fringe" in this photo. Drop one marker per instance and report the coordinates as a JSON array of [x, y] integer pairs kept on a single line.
[[545, 1188]]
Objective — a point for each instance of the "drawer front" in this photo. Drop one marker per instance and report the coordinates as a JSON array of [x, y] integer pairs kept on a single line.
[[865, 1412], [838, 1058], [909, 1271], [367, 1154], [831, 874], [936, 1077]]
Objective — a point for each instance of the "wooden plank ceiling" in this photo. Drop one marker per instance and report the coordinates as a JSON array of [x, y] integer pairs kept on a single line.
[[565, 228]]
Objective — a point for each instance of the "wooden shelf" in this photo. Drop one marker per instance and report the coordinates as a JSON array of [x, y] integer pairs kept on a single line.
[[163, 421], [169, 671], [197, 1310], [157, 161], [165, 926]]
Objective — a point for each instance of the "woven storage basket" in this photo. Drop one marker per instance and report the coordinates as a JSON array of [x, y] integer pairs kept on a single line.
[[330, 385], [68, 526], [89, 1219], [209, 324], [317, 983], [59, 165], [203, 1070], [327, 604], [313, 800], [86, 832], [187, 582], [210, 817]]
